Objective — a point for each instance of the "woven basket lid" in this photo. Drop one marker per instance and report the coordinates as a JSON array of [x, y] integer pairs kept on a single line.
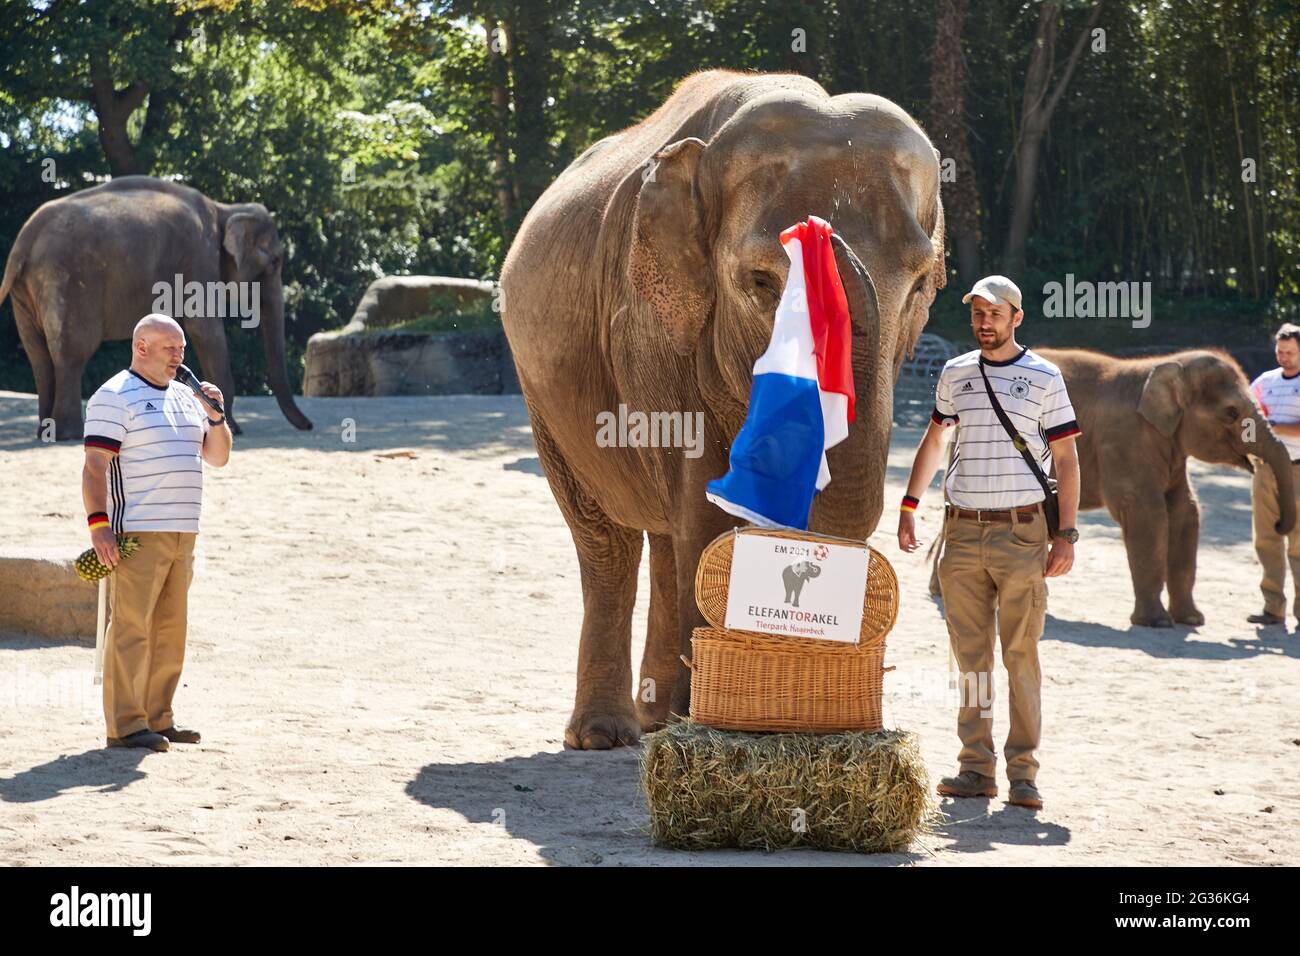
[[713, 577]]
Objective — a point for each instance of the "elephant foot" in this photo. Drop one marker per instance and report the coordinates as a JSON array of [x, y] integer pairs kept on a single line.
[[1159, 618], [1187, 614], [603, 727], [653, 715]]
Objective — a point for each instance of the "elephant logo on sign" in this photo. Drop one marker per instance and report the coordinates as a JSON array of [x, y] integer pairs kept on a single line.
[[795, 576]]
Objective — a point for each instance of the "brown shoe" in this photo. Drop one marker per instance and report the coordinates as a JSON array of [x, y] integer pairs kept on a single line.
[[179, 735], [1025, 794], [1265, 618], [968, 783], [146, 739]]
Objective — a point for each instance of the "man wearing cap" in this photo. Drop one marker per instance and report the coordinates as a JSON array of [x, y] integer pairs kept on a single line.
[[1278, 394], [147, 436], [996, 550]]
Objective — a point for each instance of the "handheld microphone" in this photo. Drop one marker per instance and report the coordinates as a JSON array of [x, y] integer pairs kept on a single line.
[[186, 377]]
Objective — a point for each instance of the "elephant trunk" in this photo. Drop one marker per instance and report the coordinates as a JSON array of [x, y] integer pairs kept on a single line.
[[853, 502], [273, 337], [1278, 458]]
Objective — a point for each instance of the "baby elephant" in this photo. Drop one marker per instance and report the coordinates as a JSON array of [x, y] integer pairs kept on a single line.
[[795, 576], [1142, 418]]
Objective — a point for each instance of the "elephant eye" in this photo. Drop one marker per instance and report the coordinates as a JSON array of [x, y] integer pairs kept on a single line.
[[766, 283], [1231, 413]]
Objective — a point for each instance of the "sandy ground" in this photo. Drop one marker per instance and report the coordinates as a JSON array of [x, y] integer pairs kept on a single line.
[[381, 662]]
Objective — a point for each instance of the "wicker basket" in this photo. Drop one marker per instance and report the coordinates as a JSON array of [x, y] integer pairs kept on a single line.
[[743, 680], [713, 577]]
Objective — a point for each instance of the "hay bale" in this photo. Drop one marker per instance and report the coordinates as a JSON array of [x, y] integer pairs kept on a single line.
[[860, 792]]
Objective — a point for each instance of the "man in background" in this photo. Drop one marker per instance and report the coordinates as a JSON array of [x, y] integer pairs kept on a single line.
[[1278, 394], [147, 437]]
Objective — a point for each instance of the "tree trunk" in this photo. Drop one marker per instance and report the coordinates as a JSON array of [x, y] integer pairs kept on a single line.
[[948, 129], [528, 46], [113, 108], [1038, 104], [502, 171]]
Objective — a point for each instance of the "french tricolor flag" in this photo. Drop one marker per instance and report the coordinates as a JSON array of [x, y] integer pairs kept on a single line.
[[801, 402]]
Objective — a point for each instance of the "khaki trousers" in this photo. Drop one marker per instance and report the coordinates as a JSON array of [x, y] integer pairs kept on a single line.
[[991, 574], [1274, 550], [145, 645]]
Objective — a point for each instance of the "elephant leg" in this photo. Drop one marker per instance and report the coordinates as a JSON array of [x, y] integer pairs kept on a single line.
[[661, 661], [38, 354], [70, 347], [1145, 525], [608, 558], [1184, 533], [694, 530], [67, 399], [208, 336]]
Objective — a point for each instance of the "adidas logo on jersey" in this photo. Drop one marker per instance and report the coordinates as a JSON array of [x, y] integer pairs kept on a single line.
[[968, 387], [148, 407]]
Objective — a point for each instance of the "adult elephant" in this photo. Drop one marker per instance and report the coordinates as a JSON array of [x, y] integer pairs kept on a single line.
[[1142, 418], [647, 276], [84, 268]]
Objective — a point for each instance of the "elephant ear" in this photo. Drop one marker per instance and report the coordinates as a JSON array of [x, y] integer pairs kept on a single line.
[[240, 242], [251, 241], [939, 271], [1163, 398], [669, 262], [938, 279]]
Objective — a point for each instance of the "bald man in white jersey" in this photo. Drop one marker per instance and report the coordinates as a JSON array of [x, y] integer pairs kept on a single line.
[[147, 437]]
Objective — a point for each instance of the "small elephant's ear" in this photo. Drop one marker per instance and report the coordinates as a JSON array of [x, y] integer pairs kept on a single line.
[[669, 260], [1164, 396], [239, 241]]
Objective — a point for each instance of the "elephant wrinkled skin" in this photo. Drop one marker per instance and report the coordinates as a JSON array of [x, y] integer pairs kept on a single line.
[[1142, 418], [83, 269], [648, 275]]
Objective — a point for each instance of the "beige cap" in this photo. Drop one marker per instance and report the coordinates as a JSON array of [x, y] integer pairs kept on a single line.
[[997, 289]]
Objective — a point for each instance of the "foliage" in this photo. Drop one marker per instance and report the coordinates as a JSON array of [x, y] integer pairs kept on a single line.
[[390, 136]]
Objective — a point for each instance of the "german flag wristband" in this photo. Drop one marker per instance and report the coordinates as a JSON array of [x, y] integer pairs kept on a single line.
[[909, 503], [97, 520]]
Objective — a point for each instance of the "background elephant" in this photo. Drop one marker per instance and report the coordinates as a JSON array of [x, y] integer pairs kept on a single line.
[[83, 270], [1142, 419], [648, 274], [795, 576]]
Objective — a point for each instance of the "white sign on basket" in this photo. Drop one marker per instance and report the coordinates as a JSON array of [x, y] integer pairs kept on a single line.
[[798, 588]]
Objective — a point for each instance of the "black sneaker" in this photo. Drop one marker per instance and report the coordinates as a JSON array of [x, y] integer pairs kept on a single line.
[[1263, 617], [146, 739], [180, 735]]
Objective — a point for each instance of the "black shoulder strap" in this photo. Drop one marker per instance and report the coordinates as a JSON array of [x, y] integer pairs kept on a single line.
[[1014, 435]]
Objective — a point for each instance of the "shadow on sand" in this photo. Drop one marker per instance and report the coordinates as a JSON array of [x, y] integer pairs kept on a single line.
[[539, 798], [1173, 642], [104, 770], [978, 824]]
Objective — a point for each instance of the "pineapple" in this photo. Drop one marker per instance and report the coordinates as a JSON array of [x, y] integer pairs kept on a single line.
[[90, 568]]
